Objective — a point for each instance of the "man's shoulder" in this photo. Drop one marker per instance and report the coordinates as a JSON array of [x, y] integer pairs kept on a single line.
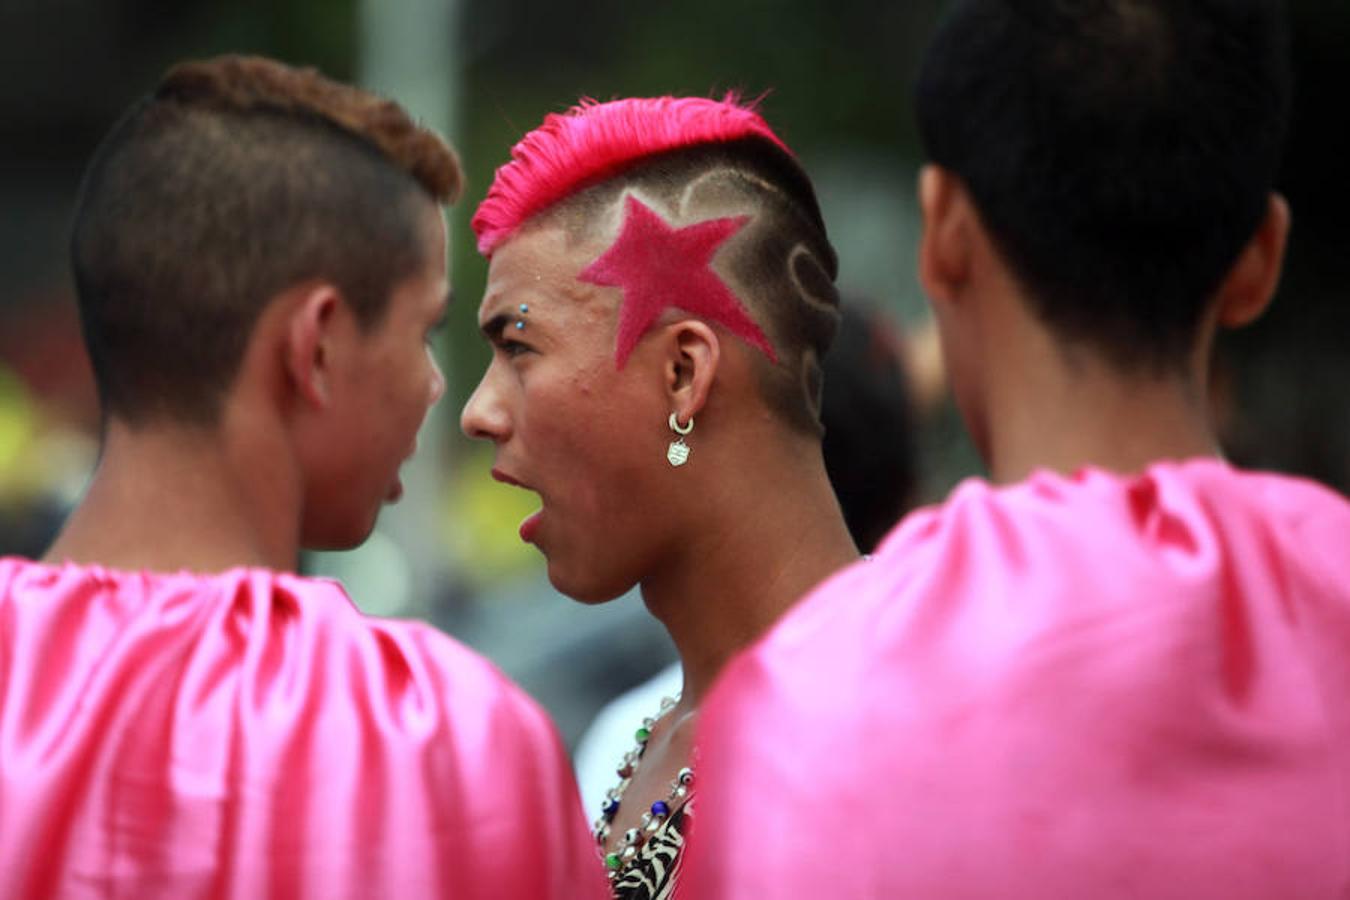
[[295, 641], [1055, 545], [406, 662], [1094, 509]]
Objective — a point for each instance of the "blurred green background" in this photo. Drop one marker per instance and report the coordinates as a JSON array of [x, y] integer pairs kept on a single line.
[[835, 80]]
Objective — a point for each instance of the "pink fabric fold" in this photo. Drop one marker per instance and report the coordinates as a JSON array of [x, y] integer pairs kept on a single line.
[[1074, 687], [252, 734]]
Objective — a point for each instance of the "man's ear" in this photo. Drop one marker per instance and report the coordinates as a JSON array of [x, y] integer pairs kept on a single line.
[[946, 246], [1250, 284], [309, 339], [691, 366]]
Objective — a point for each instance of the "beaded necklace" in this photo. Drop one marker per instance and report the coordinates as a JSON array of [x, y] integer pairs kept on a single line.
[[618, 861]]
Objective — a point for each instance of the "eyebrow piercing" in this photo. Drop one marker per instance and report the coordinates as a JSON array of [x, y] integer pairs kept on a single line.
[[524, 311]]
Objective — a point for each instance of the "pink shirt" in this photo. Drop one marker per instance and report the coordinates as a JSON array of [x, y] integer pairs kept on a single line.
[[253, 735], [1088, 687]]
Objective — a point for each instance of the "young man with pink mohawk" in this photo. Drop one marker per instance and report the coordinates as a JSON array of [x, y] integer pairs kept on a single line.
[[1124, 672], [657, 263]]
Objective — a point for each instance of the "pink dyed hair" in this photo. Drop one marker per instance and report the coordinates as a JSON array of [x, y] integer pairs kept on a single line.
[[594, 141]]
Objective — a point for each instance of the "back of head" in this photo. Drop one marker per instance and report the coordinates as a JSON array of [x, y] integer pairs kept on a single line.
[[1120, 152], [690, 162], [234, 180]]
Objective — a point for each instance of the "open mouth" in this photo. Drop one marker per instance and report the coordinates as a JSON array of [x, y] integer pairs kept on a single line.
[[396, 488], [530, 525]]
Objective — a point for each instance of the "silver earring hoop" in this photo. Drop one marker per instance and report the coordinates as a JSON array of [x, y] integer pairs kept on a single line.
[[677, 454]]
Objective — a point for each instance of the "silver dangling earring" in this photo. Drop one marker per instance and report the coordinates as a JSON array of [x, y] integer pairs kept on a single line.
[[678, 451]]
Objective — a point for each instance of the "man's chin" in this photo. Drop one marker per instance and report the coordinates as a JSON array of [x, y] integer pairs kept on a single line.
[[590, 593], [331, 540]]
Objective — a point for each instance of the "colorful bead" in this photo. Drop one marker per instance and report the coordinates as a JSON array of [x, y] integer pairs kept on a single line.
[[524, 308], [520, 326], [618, 862]]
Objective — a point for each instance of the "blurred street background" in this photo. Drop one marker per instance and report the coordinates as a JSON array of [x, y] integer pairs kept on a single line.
[[835, 80]]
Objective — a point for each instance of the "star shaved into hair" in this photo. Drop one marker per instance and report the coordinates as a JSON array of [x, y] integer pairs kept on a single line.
[[658, 266]]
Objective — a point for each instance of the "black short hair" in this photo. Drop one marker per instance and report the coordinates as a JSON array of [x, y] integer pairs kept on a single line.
[[236, 179], [1120, 152]]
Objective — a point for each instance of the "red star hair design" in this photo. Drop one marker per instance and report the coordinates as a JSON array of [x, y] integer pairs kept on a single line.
[[658, 266]]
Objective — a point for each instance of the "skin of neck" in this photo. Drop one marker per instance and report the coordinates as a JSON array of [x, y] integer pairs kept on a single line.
[[1048, 404], [168, 497], [751, 547]]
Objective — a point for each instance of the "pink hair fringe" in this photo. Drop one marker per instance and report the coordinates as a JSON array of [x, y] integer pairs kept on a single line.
[[593, 141]]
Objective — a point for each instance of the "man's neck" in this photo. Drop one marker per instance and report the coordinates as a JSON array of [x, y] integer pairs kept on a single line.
[[1065, 414], [173, 498], [742, 571]]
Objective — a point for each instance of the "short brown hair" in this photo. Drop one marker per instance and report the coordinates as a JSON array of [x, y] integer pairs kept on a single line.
[[235, 179]]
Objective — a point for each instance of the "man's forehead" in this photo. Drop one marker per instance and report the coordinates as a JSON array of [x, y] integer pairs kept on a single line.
[[540, 261]]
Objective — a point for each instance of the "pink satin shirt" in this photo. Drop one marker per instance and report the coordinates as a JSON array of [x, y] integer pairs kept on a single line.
[[253, 735], [1078, 687]]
